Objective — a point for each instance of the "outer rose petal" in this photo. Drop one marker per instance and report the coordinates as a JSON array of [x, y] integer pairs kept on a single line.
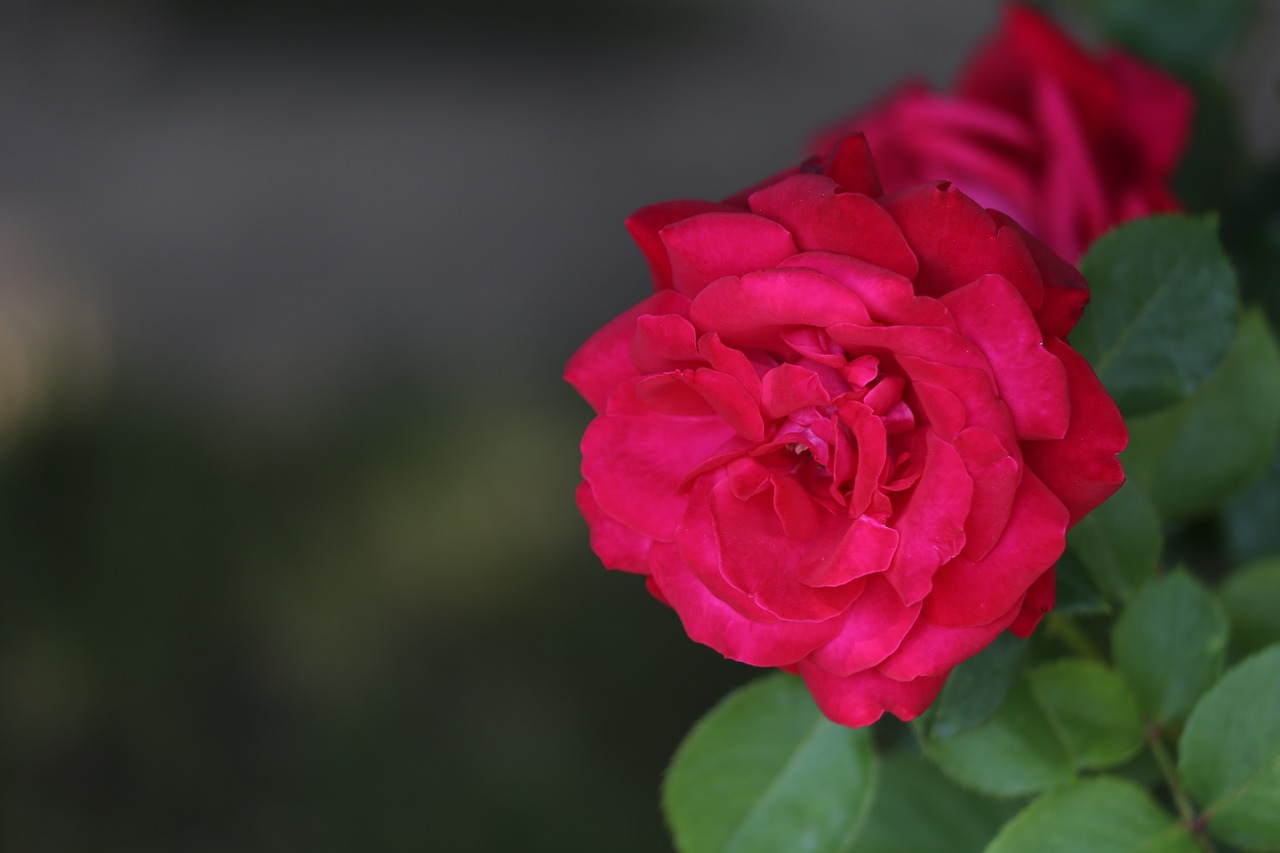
[[862, 698], [1081, 468], [1032, 381], [975, 592], [824, 219], [1065, 290], [618, 546], [850, 165], [956, 241], [705, 247], [708, 620], [873, 629], [645, 223], [604, 361], [930, 649], [636, 462], [1039, 601]]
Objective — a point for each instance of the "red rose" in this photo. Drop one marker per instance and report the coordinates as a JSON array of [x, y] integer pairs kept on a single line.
[[845, 436], [1067, 144]]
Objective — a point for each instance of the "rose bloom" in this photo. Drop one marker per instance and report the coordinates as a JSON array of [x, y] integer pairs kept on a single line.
[[844, 436], [1066, 143]]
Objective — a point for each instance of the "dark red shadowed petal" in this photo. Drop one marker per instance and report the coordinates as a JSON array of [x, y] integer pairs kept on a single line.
[[957, 241], [1039, 601], [1065, 290], [850, 165]]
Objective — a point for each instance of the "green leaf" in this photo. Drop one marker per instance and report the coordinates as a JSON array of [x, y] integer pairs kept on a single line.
[[918, 809], [1163, 310], [1192, 457], [975, 688], [1078, 592], [1180, 35], [1014, 753], [1249, 597], [765, 771], [1250, 518], [1103, 815], [1229, 755], [1119, 542], [1091, 709], [1169, 644]]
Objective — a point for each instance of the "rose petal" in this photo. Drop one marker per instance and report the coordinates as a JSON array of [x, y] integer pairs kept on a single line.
[[1039, 601], [604, 361], [930, 649], [889, 298], [996, 475], [707, 246], [756, 555], [1065, 290], [824, 219], [663, 342], [709, 620], [969, 592], [645, 223], [617, 545], [957, 241], [862, 698], [873, 629], [1081, 468], [1031, 380], [931, 527], [867, 548], [850, 165], [636, 461], [753, 309]]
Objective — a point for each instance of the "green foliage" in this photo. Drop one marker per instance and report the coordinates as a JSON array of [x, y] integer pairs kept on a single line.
[[1119, 542], [1250, 597], [1059, 718], [1104, 815], [1178, 34], [919, 809], [1078, 592], [1192, 457], [1014, 753], [975, 689], [1169, 644], [1091, 709], [765, 771], [1163, 310], [1230, 753]]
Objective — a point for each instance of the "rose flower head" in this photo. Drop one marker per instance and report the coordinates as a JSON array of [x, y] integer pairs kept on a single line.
[[845, 436], [1067, 143]]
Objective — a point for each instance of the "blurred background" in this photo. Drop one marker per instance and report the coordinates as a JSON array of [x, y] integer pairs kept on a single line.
[[288, 551]]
